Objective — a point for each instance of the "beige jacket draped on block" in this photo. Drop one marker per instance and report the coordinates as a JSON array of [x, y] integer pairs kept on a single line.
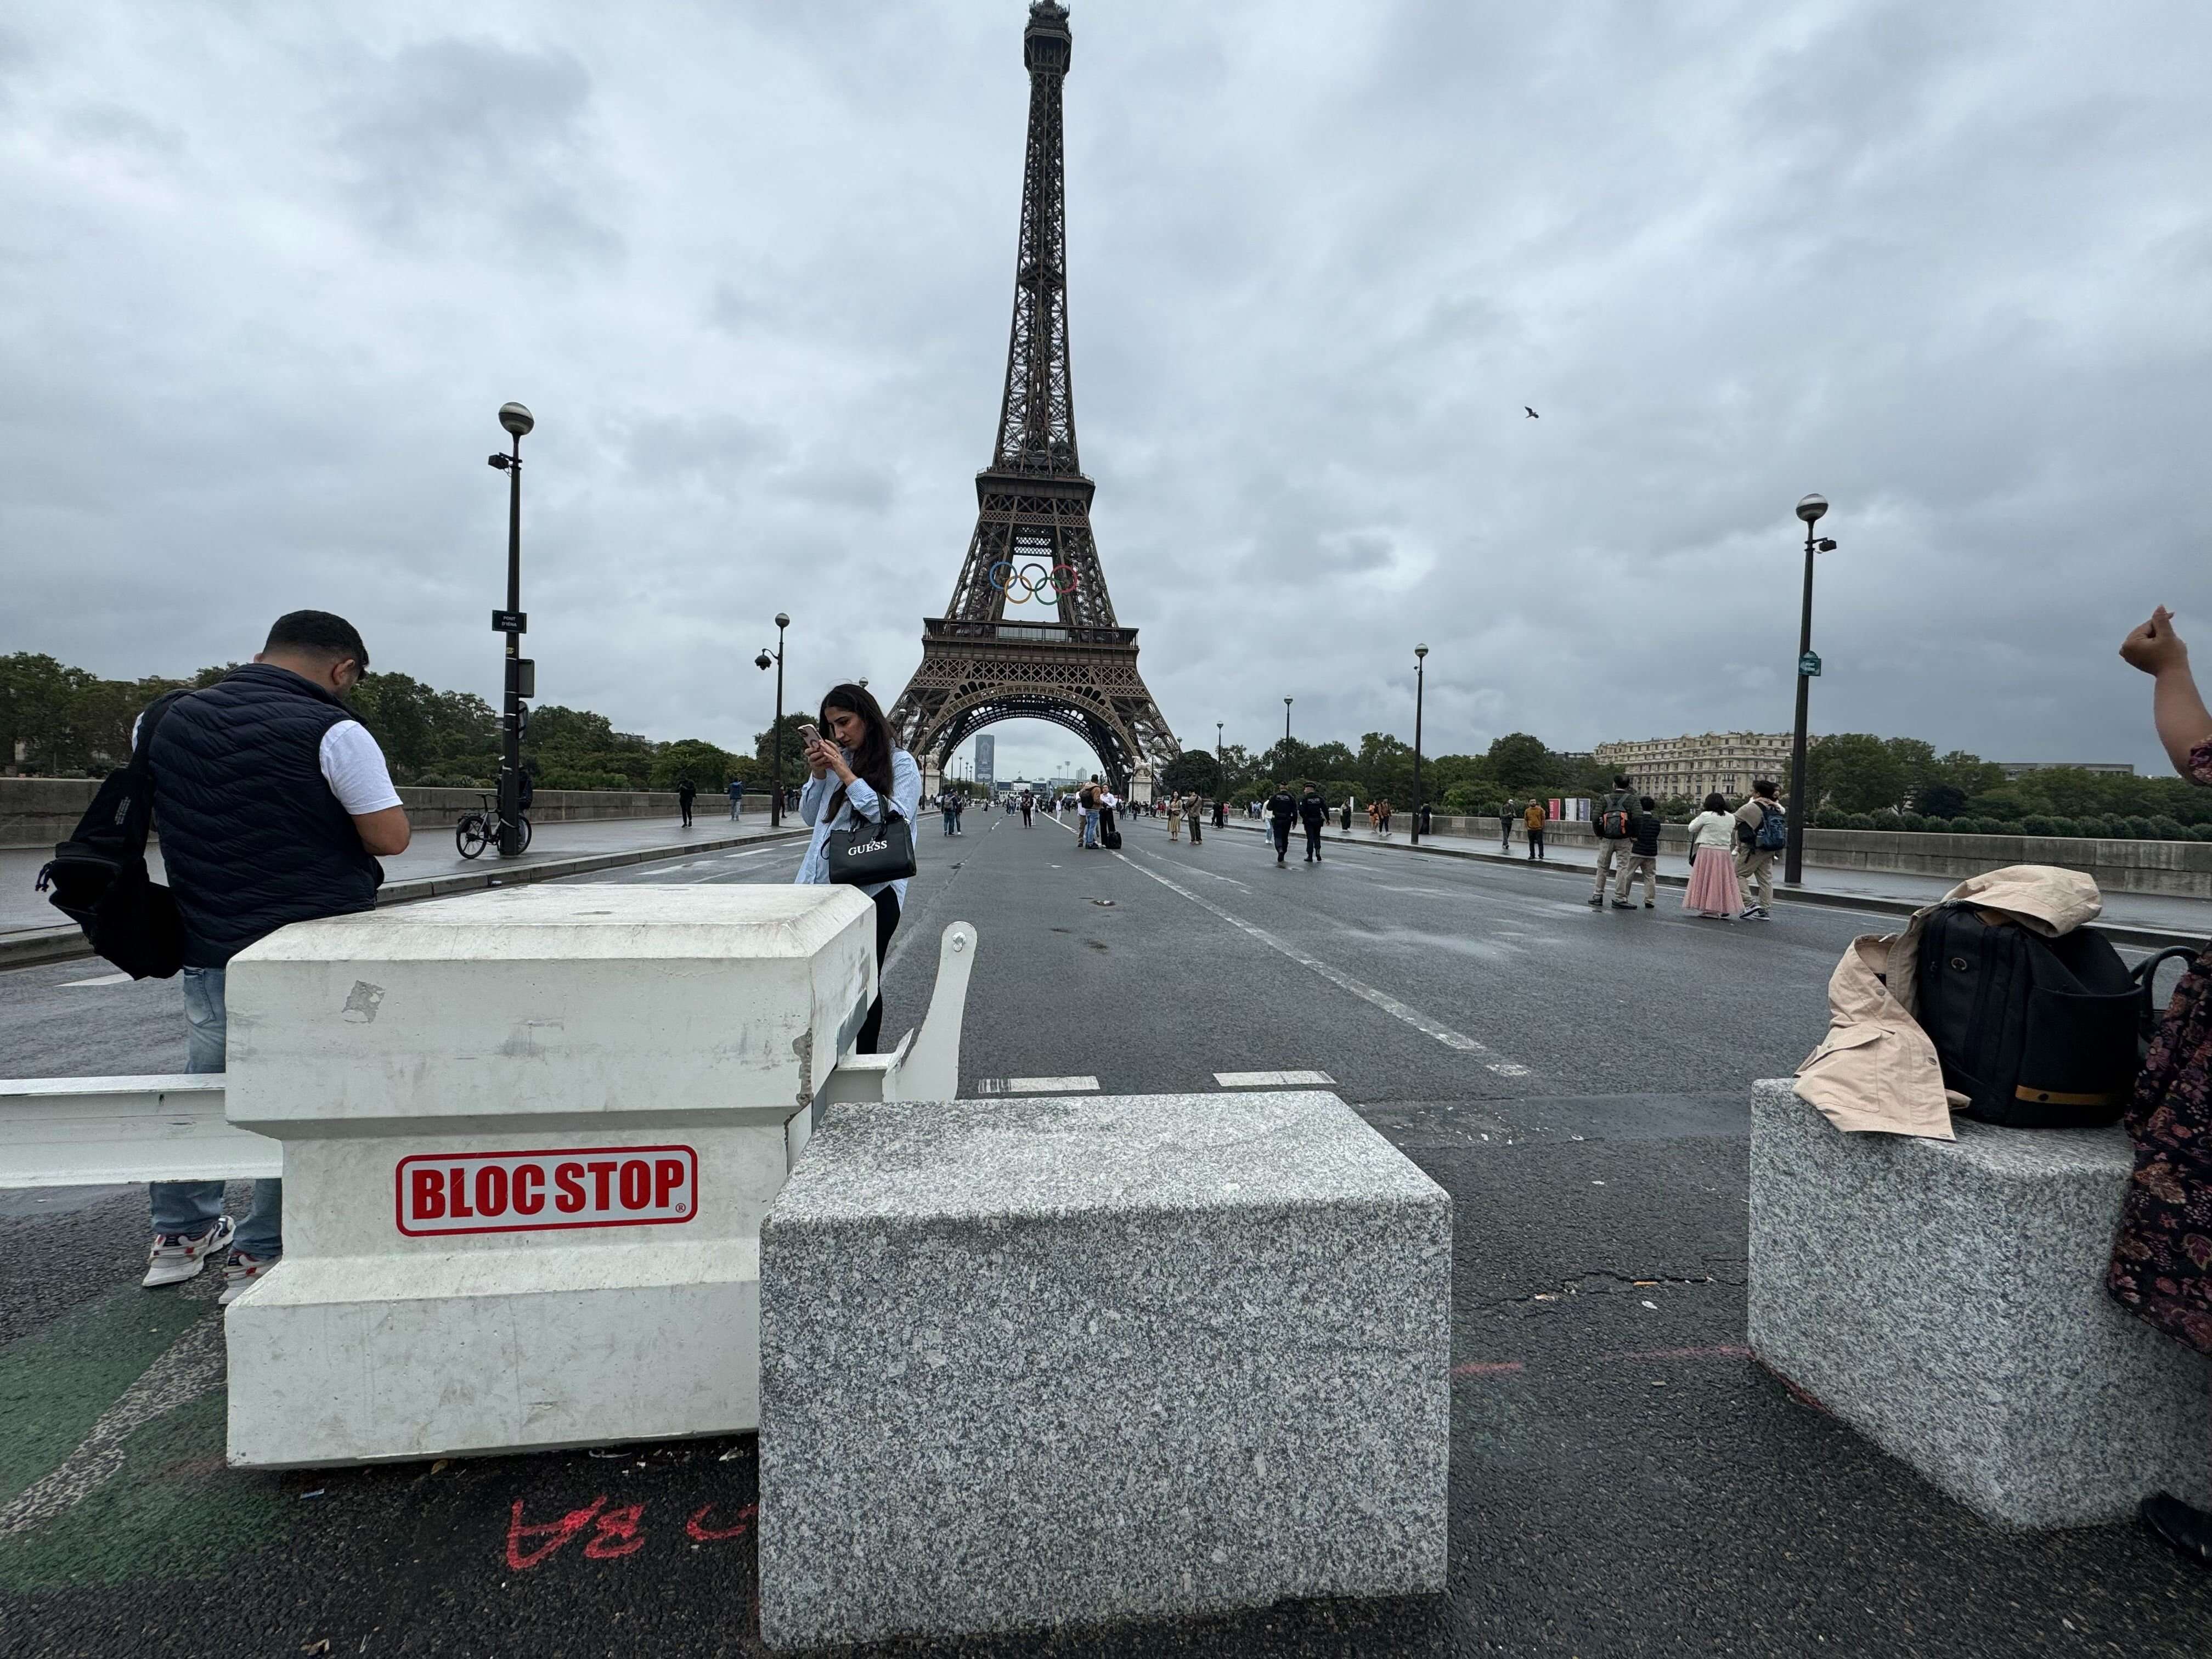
[[1876, 1069]]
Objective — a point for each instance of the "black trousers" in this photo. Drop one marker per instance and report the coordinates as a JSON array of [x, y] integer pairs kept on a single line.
[[1313, 841], [887, 922], [1281, 831]]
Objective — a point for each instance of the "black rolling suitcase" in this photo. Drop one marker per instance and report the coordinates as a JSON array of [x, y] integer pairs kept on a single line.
[[2037, 1033]]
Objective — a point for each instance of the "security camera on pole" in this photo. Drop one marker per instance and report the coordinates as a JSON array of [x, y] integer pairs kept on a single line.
[[521, 670], [1808, 665], [776, 731]]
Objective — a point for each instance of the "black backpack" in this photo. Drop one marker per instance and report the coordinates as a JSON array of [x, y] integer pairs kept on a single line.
[[2037, 1033], [98, 876]]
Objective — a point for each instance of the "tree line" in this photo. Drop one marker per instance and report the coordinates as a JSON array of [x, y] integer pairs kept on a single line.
[[1857, 781], [60, 722], [64, 722]]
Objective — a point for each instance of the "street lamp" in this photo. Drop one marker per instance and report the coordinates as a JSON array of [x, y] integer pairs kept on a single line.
[[1793, 860], [1420, 685], [522, 675], [776, 732]]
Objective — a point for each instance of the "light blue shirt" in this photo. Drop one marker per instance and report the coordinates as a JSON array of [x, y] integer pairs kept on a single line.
[[860, 801]]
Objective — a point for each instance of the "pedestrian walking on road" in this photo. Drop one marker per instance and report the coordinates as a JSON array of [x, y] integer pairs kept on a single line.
[[1532, 821], [1028, 807], [1643, 858], [737, 797], [1713, 891], [267, 758], [2160, 1268], [856, 771], [1199, 808], [1221, 815], [945, 808], [1506, 828], [1615, 827], [1765, 831], [686, 792], [1282, 811], [1313, 813], [1174, 817], [1348, 804]]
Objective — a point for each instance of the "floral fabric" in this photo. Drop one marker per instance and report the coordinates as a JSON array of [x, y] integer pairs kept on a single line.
[[2162, 1257]]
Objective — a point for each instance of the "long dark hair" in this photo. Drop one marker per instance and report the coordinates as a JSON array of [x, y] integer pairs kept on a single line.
[[872, 761], [1715, 802]]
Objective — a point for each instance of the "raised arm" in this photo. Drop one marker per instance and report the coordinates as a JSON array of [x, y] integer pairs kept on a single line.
[[2177, 707]]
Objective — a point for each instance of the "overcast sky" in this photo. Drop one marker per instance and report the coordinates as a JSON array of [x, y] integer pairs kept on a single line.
[[268, 271]]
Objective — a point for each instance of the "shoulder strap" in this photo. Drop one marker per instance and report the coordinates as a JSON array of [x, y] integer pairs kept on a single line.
[[138, 815]]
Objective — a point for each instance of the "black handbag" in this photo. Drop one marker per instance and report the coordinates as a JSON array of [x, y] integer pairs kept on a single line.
[[871, 850], [98, 876]]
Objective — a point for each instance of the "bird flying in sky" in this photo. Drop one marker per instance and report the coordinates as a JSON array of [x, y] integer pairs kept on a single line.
[[1533, 414]]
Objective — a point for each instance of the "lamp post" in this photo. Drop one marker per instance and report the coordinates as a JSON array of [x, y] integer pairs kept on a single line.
[[521, 675], [1793, 859], [1420, 685], [776, 732]]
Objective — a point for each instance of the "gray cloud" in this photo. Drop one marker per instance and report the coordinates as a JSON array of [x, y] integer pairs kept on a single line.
[[267, 271]]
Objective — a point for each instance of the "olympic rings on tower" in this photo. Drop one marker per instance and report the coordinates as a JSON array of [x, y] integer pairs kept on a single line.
[[1032, 581]]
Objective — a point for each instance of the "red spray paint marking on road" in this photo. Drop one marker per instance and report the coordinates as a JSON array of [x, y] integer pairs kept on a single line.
[[556, 1533], [1486, 1367], [619, 1532], [702, 1532]]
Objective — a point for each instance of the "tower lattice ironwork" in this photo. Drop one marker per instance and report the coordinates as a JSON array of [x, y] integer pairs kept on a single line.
[[1033, 510]]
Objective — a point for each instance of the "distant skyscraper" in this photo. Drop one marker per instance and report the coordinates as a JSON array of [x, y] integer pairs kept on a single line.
[[987, 754]]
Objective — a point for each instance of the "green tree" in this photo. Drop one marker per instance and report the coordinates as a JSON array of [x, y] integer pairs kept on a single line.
[[794, 750], [1193, 771], [1521, 764], [708, 766], [1856, 772]]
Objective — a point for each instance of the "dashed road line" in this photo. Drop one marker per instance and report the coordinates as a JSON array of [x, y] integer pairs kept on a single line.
[[1274, 1080], [1037, 1085], [105, 978]]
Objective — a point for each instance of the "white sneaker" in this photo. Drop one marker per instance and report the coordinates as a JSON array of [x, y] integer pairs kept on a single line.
[[176, 1257], [242, 1273]]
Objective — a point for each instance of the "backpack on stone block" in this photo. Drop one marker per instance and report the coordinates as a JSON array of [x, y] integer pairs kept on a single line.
[[1773, 833], [2037, 1033]]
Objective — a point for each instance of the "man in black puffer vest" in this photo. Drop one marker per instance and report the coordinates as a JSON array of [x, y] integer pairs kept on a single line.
[[272, 801]]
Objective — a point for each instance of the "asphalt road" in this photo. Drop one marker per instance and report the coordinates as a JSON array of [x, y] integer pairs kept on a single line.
[[1624, 1480]]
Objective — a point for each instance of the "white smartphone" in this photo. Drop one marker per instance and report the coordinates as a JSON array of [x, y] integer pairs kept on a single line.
[[809, 734]]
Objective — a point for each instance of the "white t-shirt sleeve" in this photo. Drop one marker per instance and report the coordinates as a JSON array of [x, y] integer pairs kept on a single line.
[[354, 767]]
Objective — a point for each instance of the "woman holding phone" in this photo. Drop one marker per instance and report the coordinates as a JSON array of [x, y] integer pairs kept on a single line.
[[854, 771]]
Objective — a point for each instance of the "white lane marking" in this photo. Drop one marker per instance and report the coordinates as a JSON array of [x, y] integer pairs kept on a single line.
[[1274, 1079], [1336, 976], [1037, 1085], [192, 1365], [105, 978]]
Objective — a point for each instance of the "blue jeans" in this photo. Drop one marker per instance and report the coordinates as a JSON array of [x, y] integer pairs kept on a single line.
[[1091, 828], [188, 1207]]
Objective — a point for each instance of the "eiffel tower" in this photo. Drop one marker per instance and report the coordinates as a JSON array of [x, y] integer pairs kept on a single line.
[[1033, 519]]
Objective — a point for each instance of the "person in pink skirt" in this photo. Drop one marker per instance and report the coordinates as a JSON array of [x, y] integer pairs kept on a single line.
[[1712, 890]]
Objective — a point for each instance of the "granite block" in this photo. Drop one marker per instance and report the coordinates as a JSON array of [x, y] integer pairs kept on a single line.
[[1947, 1300], [1027, 1362]]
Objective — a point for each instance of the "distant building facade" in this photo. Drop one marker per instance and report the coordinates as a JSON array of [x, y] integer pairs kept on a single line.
[[987, 760], [2014, 768], [1693, 768]]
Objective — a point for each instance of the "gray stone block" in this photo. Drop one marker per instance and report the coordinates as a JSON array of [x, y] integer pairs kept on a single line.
[[1029, 1362], [1947, 1300]]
